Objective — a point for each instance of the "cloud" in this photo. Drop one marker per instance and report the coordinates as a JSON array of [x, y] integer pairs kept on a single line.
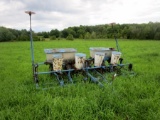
[[60, 14]]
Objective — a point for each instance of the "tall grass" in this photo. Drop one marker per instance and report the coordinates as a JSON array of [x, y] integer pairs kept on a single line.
[[129, 97]]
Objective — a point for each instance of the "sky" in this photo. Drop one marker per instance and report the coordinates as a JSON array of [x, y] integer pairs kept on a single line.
[[60, 14]]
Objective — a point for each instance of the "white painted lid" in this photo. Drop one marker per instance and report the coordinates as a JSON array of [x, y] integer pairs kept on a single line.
[[99, 48], [100, 53], [80, 54], [116, 52], [60, 50]]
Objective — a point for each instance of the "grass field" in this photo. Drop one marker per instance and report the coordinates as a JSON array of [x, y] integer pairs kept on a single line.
[[129, 98]]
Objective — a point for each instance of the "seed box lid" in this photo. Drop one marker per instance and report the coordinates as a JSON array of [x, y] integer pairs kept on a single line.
[[59, 50], [99, 48], [80, 54]]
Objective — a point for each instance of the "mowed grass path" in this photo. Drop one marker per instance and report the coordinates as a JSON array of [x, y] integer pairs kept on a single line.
[[131, 98]]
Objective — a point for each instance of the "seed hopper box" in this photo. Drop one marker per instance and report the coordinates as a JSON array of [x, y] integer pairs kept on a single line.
[[106, 51], [66, 53]]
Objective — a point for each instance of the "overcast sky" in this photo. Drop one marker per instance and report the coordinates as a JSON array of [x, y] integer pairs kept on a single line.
[[60, 14]]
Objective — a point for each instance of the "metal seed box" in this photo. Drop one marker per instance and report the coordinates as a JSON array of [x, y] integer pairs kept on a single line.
[[80, 60], [115, 57], [67, 53], [107, 51]]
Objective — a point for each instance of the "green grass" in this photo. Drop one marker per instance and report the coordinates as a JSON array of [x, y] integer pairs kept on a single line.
[[131, 98]]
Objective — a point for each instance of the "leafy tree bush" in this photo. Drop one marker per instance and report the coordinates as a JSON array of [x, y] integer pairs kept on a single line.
[[59, 38], [24, 35], [53, 37], [70, 37], [45, 35], [36, 38], [157, 36], [81, 36], [55, 33], [87, 35], [6, 35], [93, 35]]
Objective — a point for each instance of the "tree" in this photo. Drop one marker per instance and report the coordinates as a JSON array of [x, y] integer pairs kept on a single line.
[[70, 37], [53, 37], [157, 36], [35, 37], [45, 35], [15, 32], [24, 35], [93, 35], [55, 33], [81, 32], [87, 35], [64, 33], [6, 35], [81, 36], [71, 31]]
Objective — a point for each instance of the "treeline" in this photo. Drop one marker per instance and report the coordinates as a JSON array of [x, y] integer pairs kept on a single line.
[[8, 34], [149, 31]]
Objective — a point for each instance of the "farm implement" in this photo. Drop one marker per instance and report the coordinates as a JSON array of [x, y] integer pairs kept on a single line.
[[65, 63]]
